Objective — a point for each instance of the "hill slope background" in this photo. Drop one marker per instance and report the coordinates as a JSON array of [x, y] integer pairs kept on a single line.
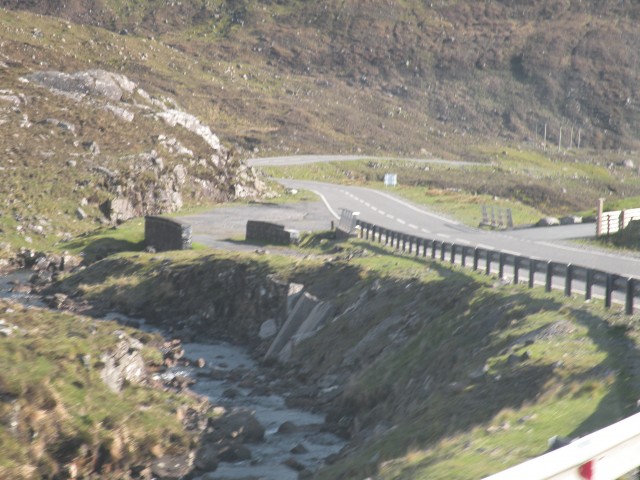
[[386, 76]]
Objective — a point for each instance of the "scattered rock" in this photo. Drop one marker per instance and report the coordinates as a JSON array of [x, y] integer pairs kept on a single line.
[[123, 364], [570, 220], [628, 163], [172, 467], [299, 449], [294, 464], [206, 458], [234, 452], [241, 426], [548, 222], [268, 329]]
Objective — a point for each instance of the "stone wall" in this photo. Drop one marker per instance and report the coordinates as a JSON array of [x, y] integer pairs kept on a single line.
[[165, 234], [273, 233]]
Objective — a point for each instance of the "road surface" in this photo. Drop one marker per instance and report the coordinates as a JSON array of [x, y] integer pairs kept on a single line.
[[384, 209], [551, 243]]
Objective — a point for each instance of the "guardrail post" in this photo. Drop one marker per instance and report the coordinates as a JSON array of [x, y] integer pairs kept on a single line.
[[418, 242], [567, 280], [453, 253], [631, 284], [588, 284], [463, 259], [411, 239], [501, 261], [427, 243], [548, 277], [434, 245], [476, 258], [533, 264], [608, 291], [488, 256], [516, 269], [443, 251]]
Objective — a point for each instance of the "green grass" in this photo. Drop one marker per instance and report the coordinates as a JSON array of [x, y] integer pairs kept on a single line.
[[62, 405], [455, 386]]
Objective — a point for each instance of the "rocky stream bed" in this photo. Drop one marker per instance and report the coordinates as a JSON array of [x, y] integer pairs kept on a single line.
[[253, 433]]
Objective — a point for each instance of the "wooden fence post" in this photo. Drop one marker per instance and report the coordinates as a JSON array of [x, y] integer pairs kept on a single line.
[[599, 217]]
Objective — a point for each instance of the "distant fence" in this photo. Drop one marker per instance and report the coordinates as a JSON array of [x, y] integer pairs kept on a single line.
[[273, 233], [164, 234], [476, 257]]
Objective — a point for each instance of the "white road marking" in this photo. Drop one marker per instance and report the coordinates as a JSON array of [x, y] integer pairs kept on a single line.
[[390, 216], [367, 204], [416, 209], [402, 222], [424, 230], [374, 209], [381, 212], [415, 227], [324, 200], [463, 241], [443, 235]]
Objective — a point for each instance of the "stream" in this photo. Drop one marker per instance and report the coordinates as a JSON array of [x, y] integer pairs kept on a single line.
[[303, 444]]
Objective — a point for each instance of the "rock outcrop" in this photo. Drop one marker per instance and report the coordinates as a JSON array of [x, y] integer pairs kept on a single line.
[[186, 157], [124, 364]]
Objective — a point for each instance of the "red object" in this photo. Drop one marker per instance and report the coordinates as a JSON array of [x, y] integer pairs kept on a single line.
[[586, 470]]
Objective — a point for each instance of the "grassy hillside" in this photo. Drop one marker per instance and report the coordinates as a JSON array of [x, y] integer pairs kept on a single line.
[[430, 385], [391, 76]]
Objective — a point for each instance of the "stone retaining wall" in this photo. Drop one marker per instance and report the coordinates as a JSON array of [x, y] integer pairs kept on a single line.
[[273, 233], [165, 234]]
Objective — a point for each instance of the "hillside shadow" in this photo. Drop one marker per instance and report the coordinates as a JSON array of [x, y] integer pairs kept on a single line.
[[103, 247], [623, 361]]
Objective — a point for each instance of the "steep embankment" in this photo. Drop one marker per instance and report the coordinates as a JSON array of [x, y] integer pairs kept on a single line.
[[423, 382], [390, 76]]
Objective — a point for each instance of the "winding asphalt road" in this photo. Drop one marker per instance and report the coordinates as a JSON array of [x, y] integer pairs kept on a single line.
[[387, 210]]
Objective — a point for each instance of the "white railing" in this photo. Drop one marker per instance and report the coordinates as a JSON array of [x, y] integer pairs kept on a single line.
[[612, 222], [603, 455]]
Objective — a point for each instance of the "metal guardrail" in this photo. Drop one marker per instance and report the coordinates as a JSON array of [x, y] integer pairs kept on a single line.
[[473, 256], [606, 454]]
